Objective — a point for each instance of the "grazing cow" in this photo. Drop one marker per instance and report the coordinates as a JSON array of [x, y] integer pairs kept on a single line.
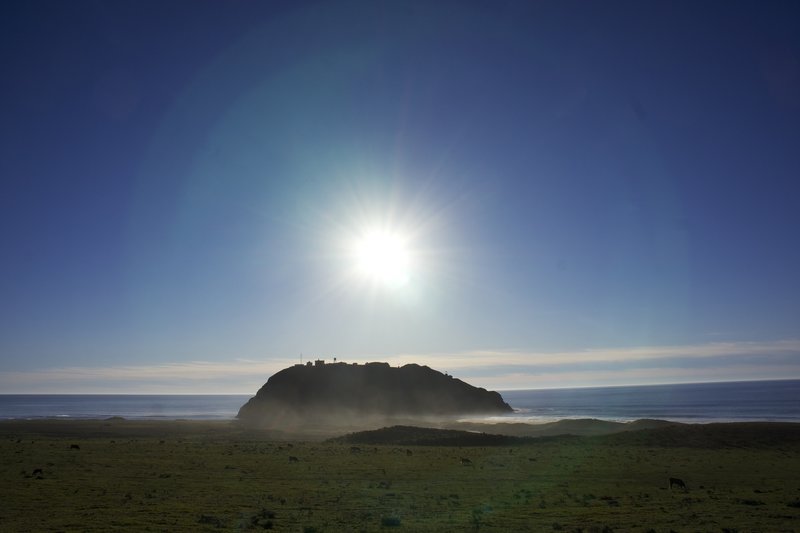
[[37, 471], [409, 453], [293, 459], [74, 447], [466, 462], [677, 482]]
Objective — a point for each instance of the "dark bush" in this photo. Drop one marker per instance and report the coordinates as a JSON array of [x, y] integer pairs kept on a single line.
[[746, 501], [390, 521], [210, 520]]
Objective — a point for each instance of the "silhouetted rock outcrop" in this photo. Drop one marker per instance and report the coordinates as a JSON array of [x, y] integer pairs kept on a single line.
[[347, 393]]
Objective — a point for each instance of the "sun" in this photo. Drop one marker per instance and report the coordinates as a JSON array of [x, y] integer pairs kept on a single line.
[[383, 257]]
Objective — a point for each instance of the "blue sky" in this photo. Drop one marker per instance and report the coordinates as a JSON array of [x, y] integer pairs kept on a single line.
[[587, 193]]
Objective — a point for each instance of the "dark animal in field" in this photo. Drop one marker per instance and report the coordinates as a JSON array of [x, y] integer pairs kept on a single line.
[[677, 482], [409, 453], [466, 462], [74, 447], [293, 459], [36, 471]]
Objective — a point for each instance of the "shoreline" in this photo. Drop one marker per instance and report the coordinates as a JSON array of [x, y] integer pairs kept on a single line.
[[490, 421]]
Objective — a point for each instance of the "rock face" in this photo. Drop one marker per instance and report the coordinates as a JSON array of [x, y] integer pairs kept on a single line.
[[325, 393]]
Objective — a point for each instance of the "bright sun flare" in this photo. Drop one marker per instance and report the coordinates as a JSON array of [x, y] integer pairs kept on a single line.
[[383, 258]]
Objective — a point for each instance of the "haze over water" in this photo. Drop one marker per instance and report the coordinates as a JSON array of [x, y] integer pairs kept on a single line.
[[709, 402]]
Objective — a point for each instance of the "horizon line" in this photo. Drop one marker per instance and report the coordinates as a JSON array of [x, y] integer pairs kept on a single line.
[[614, 386]]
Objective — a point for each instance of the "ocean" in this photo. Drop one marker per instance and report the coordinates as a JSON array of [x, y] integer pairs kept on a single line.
[[744, 401], [698, 403], [130, 406]]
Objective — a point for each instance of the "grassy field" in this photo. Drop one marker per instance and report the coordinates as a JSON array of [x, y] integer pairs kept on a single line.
[[183, 476]]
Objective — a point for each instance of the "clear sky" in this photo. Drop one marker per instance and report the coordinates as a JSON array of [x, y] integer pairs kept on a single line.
[[522, 194]]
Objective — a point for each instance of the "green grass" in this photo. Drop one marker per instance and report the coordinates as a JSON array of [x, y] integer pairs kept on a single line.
[[182, 477]]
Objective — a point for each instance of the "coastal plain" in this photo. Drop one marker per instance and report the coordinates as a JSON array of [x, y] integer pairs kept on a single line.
[[106, 475]]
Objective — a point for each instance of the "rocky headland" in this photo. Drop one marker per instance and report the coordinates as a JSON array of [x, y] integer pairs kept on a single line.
[[346, 394]]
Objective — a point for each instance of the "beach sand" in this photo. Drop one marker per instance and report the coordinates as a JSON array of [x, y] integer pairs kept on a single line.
[[102, 475]]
